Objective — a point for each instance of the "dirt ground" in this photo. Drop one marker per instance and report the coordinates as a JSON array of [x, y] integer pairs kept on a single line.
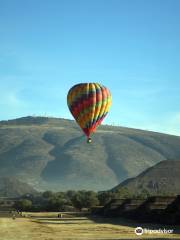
[[46, 226]]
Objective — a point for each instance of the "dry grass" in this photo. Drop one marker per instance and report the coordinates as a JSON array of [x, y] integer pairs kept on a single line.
[[43, 226]]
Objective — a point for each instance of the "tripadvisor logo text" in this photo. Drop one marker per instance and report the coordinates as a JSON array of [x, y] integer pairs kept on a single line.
[[140, 231]]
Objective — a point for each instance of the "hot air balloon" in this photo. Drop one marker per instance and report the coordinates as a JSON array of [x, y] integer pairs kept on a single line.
[[89, 104]]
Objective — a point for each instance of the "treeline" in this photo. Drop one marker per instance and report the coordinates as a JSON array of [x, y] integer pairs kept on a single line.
[[70, 200]]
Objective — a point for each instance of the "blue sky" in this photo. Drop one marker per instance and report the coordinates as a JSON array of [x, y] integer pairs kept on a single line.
[[130, 46]]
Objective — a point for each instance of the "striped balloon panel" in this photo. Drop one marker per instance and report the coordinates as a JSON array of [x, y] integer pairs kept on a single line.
[[89, 103]]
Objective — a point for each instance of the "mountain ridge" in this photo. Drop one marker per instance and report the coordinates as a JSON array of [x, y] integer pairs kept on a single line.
[[13, 187], [52, 153]]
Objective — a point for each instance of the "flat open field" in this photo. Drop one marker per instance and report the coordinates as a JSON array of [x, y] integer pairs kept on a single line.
[[46, 226]]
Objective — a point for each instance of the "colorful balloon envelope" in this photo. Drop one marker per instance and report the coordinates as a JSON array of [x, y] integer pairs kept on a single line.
[[89, 104]]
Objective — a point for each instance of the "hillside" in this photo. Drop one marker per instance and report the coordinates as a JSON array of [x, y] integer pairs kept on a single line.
[[163, 178], [12, 187], [52, 153]]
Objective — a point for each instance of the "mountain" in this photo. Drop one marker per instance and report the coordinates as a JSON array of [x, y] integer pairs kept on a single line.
[[52, 153], [12, 187], [163, 178]]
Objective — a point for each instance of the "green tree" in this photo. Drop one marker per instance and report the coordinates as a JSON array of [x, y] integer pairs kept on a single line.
[[23, 205], [77, 200], [70, 194], [104, 197], [91, 199], [57, 204], [85, 199], [47, 194]]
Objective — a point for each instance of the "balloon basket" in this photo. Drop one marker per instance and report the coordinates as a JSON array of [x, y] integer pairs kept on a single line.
[[89, 140]]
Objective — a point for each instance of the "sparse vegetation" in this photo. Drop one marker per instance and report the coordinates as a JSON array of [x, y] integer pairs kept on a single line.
[[60, 201], [49, 153]]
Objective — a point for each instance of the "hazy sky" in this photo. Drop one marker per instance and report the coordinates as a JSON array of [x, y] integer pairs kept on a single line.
[[130, 46]]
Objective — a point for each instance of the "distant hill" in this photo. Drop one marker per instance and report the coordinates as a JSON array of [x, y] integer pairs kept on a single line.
[[52, 153], [163, 178], [12, 187]]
